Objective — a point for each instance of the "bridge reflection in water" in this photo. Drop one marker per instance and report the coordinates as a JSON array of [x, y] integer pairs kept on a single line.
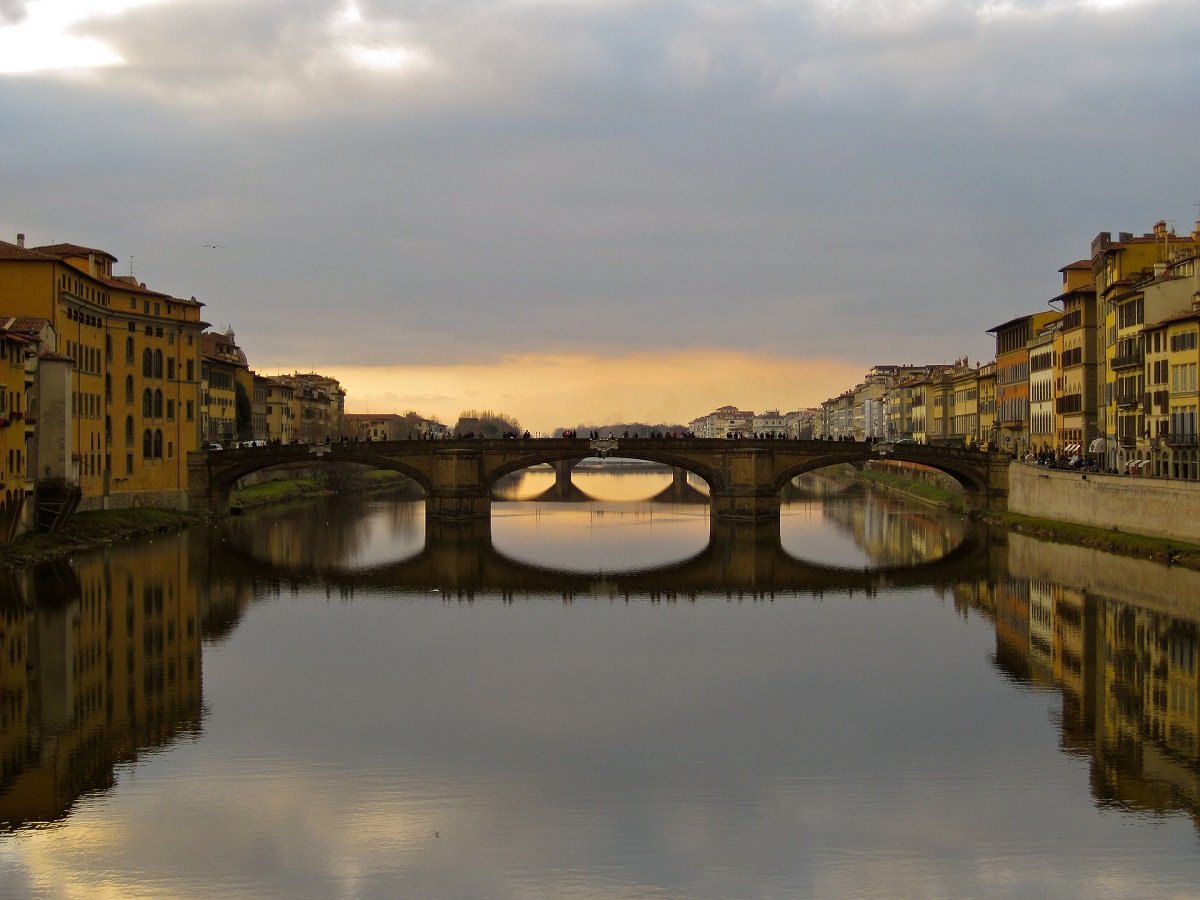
[[740, 558]]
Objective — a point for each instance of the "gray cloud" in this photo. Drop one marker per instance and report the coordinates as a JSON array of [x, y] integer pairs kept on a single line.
[[13, 11], [806, 177]]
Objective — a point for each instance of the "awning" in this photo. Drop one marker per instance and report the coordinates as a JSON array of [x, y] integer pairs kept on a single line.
[[1072, 448], [1096, 446]]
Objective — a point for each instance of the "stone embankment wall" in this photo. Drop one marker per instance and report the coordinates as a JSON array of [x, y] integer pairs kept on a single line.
[[1158, 507]]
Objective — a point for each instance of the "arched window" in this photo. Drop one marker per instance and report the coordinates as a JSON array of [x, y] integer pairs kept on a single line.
[[147, 444], [128, 388], [158, 358], [147, 404], [129, 350], [147, 363], [158, 444], [158, 404], [107, 387], [128, 432]]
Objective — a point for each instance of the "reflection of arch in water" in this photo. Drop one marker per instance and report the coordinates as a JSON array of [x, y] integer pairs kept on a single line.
[[739, 558]]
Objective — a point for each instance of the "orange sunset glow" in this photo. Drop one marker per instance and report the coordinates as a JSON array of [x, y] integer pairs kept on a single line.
[[547, 392]]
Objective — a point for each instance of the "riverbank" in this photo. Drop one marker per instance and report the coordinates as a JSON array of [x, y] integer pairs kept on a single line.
[[100, 528], [1163, 550]]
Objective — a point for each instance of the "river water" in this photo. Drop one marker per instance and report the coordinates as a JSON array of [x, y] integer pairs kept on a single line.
[[599, 697]]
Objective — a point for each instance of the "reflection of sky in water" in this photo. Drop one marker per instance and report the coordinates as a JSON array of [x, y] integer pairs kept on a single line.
[[841, 747], [598, 536], [390, 532], [807, 533]]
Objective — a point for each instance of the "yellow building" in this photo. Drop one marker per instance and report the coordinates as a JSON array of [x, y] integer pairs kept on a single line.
[[986, 382], [1012, 379], [224, 372], [964, 406], [1077, 365], [1180, 338], [16, 350], [1043, 428], [280, 402], [1122, 270], [131, 401], [318, 407]]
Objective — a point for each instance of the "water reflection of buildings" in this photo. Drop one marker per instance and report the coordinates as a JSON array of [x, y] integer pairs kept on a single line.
[[98, 663], [1125, 666], [886, 530]]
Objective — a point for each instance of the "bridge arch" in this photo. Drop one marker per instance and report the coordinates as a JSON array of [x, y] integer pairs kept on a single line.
[[227, 467], [971, 478], [629, 450]]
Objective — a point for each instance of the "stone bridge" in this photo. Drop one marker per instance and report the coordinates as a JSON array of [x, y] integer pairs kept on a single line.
[[744, 476]]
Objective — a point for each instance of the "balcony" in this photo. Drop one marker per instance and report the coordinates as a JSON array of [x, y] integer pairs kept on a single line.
[[1181, 440], [1127, 441], [1129, 400], [1129, 360]]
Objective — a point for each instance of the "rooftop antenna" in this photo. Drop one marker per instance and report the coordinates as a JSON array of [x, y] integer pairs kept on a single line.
[[131, 265]]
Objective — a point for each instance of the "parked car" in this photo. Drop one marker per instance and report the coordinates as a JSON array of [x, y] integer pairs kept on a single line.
[[214, 446]]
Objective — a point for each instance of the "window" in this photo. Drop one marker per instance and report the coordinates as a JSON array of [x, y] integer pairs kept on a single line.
[[171, 367], [147, 444], [158, 364], [128, 388], [170, 410], [190, 410], [147, 404], [129, 430], [158, 444], [158, 405], [147, 363]]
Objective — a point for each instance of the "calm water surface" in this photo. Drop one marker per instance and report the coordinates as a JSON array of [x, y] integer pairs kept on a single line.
[[600, 698]]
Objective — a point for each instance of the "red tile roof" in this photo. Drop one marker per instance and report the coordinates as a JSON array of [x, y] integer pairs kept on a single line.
[[14, 251], [63, 250], [24, 324]]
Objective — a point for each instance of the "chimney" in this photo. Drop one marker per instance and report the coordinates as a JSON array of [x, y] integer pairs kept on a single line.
[[21, 240]]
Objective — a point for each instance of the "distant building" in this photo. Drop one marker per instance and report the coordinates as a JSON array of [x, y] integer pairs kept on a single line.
[[392, 427]]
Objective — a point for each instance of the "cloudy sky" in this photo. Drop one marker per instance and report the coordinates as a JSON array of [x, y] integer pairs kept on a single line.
[[581, 209]]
